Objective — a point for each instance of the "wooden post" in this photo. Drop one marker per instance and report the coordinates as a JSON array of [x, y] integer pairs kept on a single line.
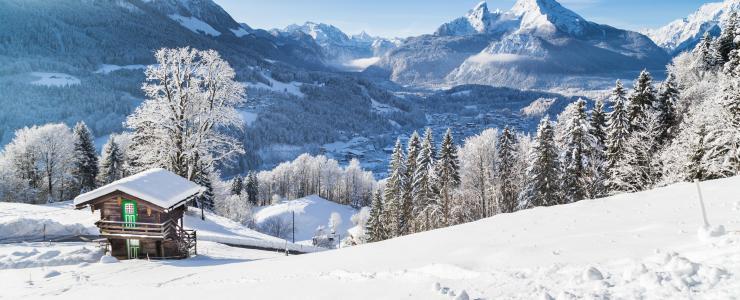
[[701, 203]]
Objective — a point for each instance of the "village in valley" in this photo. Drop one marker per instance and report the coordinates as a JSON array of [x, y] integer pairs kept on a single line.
[[166, 149]]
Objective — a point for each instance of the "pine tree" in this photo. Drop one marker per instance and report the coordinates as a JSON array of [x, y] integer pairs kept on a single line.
[[598, 131], [252, 188], [394, 187], [374, 228], [731, 67], [447, 177], [407, 207], [716, 58], [86, 158], [726, 40], [636, 171], [542, 187], [237, 185], [703, 53], [695, 168], [618, 128], [641, 99], [578, 174], [506, 153], [111, 163], [665, 107], [424, 201], [203, 178]]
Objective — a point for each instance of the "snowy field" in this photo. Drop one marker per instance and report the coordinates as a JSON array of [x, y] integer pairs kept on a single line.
[[54, 79], [632, 246], [310, 213]]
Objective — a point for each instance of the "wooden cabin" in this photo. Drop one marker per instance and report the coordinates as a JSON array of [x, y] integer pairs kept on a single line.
[[141, 216]]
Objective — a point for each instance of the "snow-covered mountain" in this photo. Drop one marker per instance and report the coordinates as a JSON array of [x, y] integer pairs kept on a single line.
[[339, 47], [536, 44], [684, 34]]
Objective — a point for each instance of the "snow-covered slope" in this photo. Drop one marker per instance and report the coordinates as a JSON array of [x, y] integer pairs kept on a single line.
[[536, 44], [310, 213], [685, 33], [631, 246]]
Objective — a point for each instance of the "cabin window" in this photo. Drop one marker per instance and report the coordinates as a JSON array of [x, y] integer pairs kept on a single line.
[[129, 213]]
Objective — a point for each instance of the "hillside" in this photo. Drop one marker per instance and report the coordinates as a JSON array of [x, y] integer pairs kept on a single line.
[[634, 246]]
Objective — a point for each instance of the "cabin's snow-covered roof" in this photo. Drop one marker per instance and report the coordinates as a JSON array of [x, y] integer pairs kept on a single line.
[[158, 186]]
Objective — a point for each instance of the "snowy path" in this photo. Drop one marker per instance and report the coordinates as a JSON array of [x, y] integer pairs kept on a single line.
[[639, 246]]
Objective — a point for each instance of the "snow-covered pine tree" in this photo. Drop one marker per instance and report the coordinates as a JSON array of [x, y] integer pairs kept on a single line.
[[407, 207], [237, 185], [206, 200], [695, 167], [447, 177], [425, 204], [542, 187], [598, 131], [635, 171], [641, 100], [504, 171], [394, 190], [192, 96], [730, 68], [727, 39], [111, 162], [578, 176], [618, 128], [665, 107], [704, 59], [375, 229], [723, 131], [86, 158], [251, 187], [715, 55]]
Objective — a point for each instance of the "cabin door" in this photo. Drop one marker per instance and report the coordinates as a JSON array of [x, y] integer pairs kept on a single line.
[[132, 246], [129, 212]]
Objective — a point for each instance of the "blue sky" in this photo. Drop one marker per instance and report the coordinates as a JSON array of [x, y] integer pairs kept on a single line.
[[413, 17]]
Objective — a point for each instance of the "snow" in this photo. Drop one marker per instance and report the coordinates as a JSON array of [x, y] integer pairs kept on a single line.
[[195, 25], [107, 259], [54, 79], [538, 107], [20, 221], [248, 117], [382, 107], [157, 186], [240, 32], [642, 245], [310, 213], [107, 69], [222, 230], [546, 17], [41, 254], [290, 88]]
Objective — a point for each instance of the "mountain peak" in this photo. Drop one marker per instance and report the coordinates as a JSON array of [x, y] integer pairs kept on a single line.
[[547, 16]]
